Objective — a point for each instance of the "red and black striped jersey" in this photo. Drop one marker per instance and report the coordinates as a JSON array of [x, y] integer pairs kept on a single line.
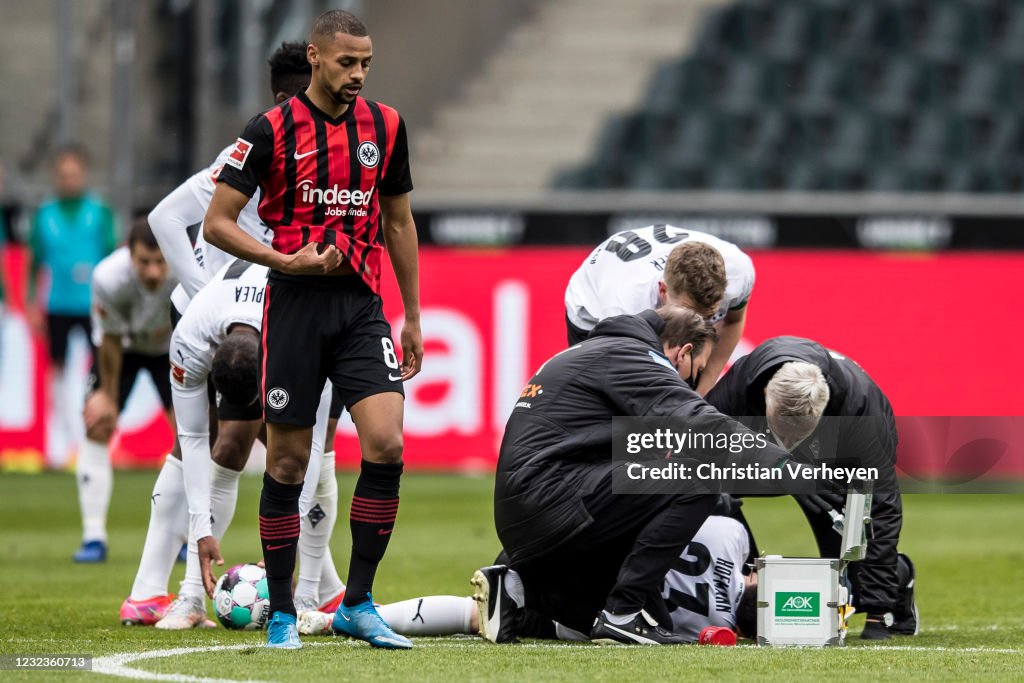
[[320, 176]]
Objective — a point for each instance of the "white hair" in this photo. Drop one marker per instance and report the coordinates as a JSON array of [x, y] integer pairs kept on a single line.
[[794, 400], [797, 389]]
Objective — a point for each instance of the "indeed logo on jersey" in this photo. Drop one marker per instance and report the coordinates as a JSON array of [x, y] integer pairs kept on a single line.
[[339, 201]]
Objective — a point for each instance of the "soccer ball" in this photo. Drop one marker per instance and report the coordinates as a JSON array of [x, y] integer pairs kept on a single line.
[[241, 598]]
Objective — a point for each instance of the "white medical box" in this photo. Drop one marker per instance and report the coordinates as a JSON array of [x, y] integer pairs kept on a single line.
[[804, 601]]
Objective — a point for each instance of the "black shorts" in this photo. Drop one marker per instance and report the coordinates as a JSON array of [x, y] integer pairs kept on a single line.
[[58, 328], [228, 411], [158, 368], [574, 334], [331, 328], [175, 315]]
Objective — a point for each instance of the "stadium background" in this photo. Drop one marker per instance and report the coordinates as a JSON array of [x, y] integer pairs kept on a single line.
[[868, 155]]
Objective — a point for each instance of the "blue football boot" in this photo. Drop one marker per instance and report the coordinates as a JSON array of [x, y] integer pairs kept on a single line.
[[91, 552], [363, 622], [282, 632]]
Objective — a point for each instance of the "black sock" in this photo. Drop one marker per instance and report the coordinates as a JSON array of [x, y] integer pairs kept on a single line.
[[371, 518], [279, 535]]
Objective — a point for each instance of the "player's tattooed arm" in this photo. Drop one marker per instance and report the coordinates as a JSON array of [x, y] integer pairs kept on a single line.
[[403, 247]]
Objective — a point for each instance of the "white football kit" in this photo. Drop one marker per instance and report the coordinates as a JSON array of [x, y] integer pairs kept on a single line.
[[621, 276], [184, 208], [233, 296], [122, 306], [704, 586]]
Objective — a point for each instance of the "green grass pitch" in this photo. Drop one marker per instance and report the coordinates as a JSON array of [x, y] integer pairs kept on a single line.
[[969, 552]]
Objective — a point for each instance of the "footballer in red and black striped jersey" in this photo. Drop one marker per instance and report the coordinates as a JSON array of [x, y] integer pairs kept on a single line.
[[322, 189], [333, 171], [320, 176]]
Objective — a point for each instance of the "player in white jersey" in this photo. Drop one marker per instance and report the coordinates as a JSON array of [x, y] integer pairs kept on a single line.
[[131, 330], [635, 270], [705, 585], [201, 333], [217, 338], [182, 211]]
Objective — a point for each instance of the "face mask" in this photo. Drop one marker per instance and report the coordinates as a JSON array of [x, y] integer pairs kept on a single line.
[[693, 381]]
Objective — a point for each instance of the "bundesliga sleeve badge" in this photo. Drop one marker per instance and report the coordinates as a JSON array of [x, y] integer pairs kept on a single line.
[[239, 154], [178, 374]]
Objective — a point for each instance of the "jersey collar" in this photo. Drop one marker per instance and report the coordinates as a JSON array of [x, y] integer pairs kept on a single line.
[[317, 113]]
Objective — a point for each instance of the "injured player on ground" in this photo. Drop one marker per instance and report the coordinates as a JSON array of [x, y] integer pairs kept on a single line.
[[712, 583]]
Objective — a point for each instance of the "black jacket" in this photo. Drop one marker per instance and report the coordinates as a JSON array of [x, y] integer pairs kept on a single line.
[[557, 447], [852, 394]]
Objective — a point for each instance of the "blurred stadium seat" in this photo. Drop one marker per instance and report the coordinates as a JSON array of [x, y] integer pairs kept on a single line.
[[888, 95]]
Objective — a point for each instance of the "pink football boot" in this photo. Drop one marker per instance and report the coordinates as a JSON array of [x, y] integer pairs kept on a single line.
[[144, 612]]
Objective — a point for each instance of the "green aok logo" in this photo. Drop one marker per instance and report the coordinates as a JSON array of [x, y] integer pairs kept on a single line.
[[797, 604]]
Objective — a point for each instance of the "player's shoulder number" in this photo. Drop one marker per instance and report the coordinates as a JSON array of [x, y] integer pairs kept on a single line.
[[629, 246]]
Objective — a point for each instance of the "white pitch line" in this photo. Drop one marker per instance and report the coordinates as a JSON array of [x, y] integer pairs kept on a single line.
[[941, 648], [117, 664]]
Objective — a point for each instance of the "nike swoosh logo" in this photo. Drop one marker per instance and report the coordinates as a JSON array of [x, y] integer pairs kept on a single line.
[[303, 156], [632, 636], [393, 378], [278, 547], [384, 532], [345, 617]]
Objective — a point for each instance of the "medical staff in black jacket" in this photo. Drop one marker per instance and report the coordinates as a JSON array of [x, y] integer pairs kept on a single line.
[[859, 429], [580, 550]]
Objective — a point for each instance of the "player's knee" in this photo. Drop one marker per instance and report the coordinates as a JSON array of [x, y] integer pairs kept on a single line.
[[287, 468], [383, 448], [230, 452], [100, 432]]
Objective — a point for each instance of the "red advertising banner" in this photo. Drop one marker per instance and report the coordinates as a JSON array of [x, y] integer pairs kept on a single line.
[[940, 333]]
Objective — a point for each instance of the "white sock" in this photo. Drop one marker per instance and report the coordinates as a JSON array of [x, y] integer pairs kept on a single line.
[[223, 497], [433, 615], [57, 446], [314, 539], [327, 496], [192, 585], [619, 619], [95, 482], [514, 588], [168, 529], [330, 583]]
